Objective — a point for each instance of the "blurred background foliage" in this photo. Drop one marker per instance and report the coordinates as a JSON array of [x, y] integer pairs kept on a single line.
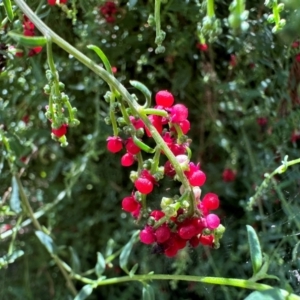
[[242, 96]]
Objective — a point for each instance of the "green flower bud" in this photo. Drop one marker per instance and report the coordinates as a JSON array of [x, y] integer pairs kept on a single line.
[[47, 89], [151, 20], [160, 49], [165, 202], [61, 86]]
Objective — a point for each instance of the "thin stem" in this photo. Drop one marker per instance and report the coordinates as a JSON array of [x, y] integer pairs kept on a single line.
[[210, 8], [111, 80], [241, 283], [282, 168], [38, 226]]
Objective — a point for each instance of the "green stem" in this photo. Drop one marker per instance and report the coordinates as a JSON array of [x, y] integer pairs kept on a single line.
[[156, 112], [210, 8], [39, 227], [52, 66], [111, 80], [276, 13], [155, 161], [112, 114], [157, 18], [241, 283], [282, 168]]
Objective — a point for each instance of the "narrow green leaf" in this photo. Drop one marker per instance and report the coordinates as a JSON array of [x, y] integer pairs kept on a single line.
[[47, 241], [126, 252], [30, 41], [255, 250], [15, 202], [100, 266], [146, 92], [271, 294], [75, 261], [8, 9], [133, 270], [84, 292], [148, 292], [102, 56]]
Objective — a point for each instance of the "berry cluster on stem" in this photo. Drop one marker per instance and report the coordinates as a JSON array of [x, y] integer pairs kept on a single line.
[[183, 219]]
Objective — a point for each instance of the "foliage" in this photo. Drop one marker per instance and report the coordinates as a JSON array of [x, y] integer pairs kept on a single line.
[[242, 95]]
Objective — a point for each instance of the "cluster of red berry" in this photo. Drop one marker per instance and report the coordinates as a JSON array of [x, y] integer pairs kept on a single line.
[[28, 30], [108, 11], [173, 227]]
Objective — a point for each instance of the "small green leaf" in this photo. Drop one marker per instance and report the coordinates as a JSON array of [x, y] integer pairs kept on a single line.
[[47, 241], [148, 292], [101, 264], [255, 250], [126, 252], [103, 57], [8, 9], [84, 292], [271, 294], [75, 261], [15, 203], [133, 270], [30, 41]]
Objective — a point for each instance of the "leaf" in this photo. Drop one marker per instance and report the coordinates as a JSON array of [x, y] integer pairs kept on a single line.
[[47, 241], [132, 3], [148, 292], [141, 87], [31, 41], [126, 252], [255, 250], [84, 292], [15, 202], [103, 57], [271, 294], [101, 264], [8, 9], [133, 270], [75, 262]]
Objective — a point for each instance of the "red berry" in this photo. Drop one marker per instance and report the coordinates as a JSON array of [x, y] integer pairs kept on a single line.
[[297, 57], [185, 126], [187, 232], [147, 235], [162, 233], [212, 221], [194, 241], [202, 47], [178, 113], [169, 169], [210, 201], [164, 98], [156, 122], [129, 204], [137, 123], [63, 1], [51, 2], [228, 175], [59, 132], [131, 147], [144, 185], [114, 70], [114, 144], [262, 121], [206, 240], [157, 214], [127, 160], [35, 51], [197, 178]]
